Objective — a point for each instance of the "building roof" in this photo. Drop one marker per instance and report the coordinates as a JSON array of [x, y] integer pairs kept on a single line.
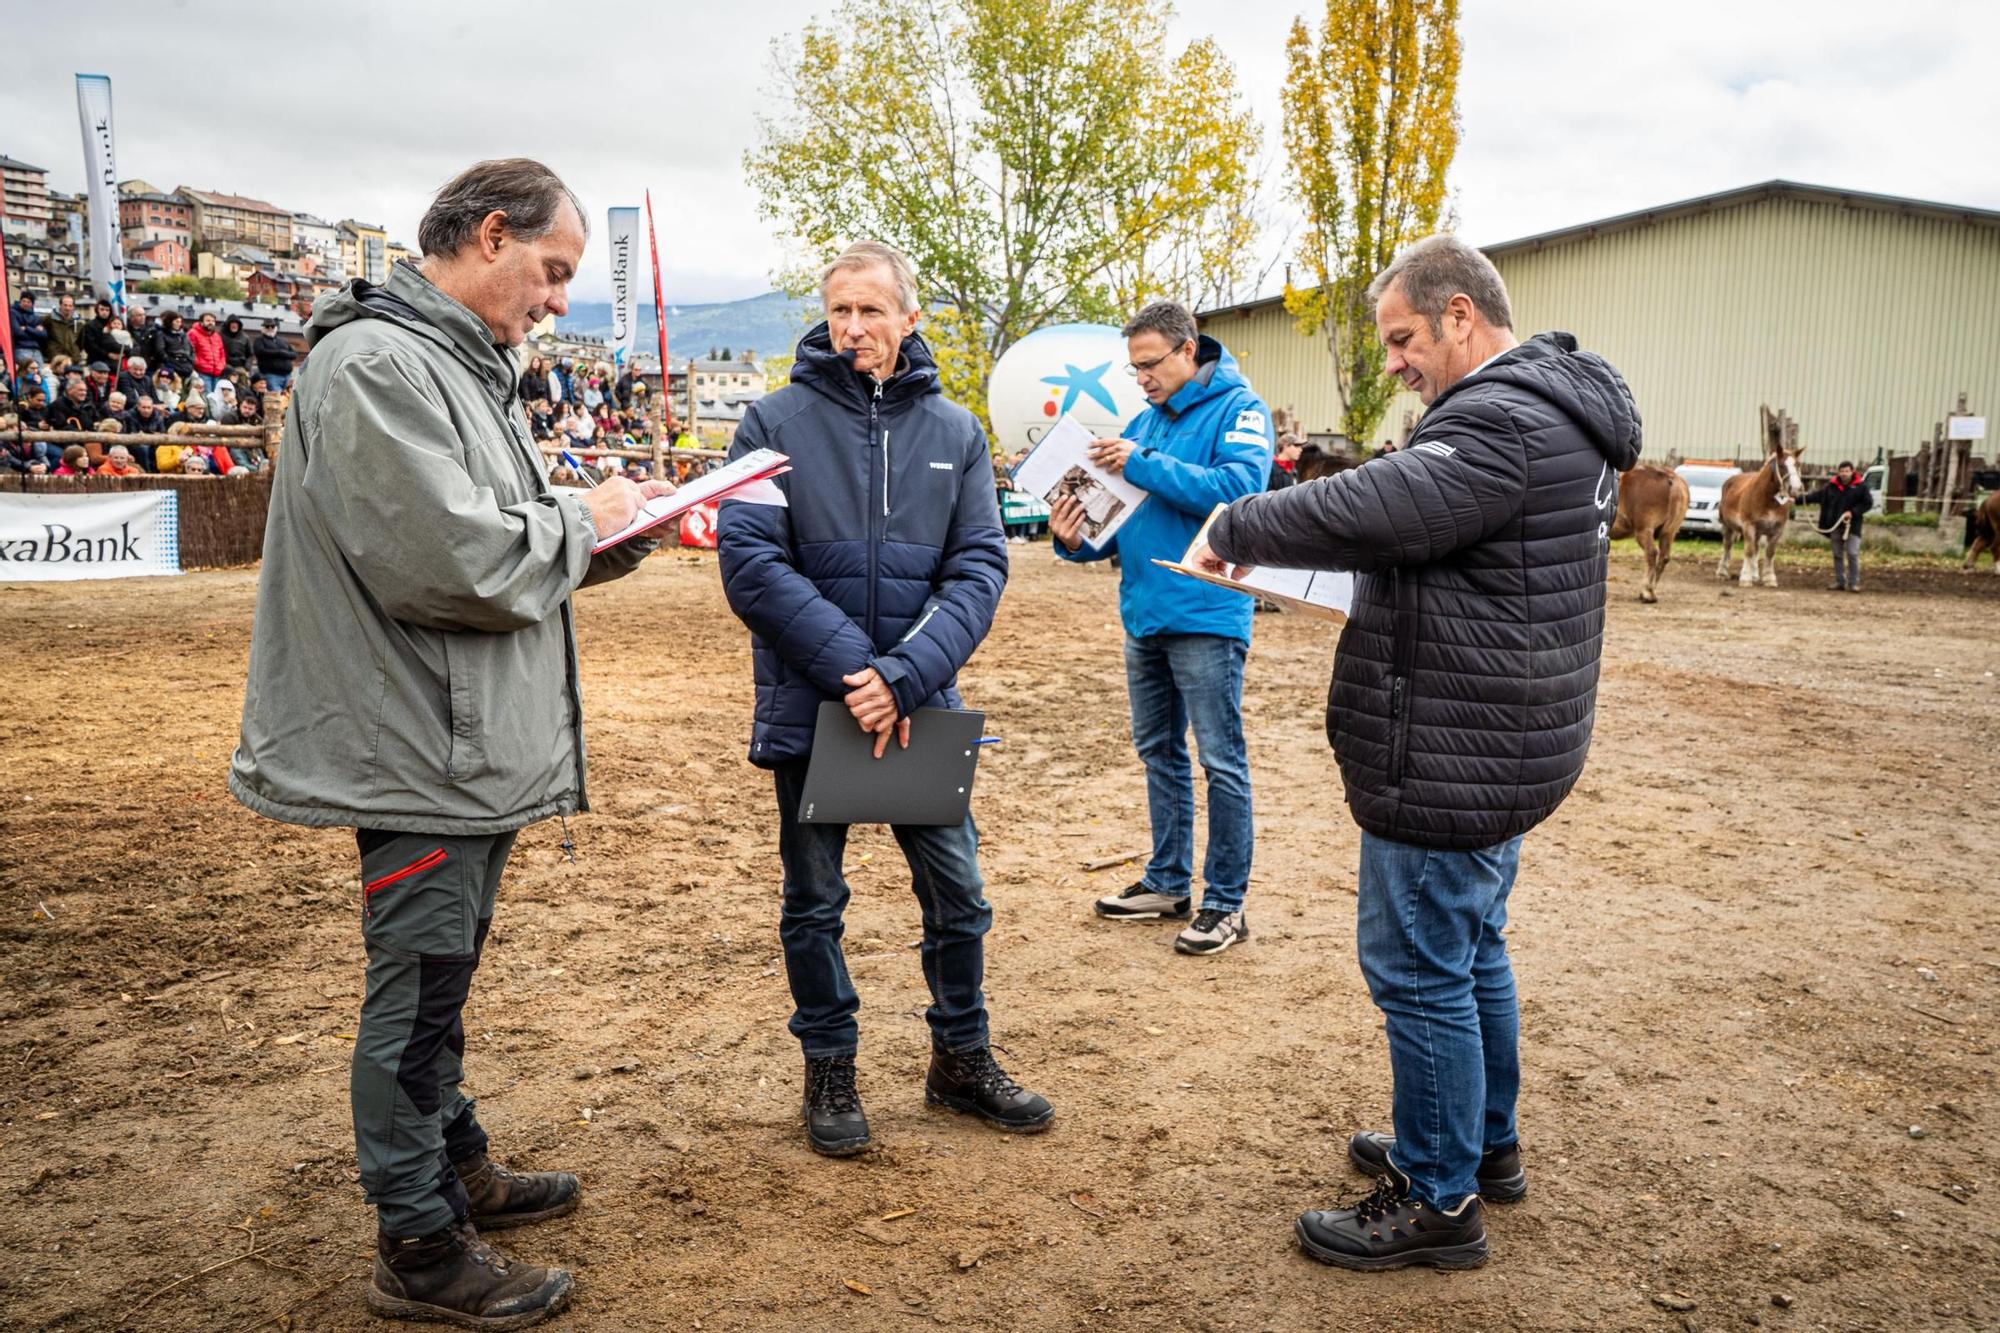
[[1747, 194], [144, 246], [310, 220], [1706, 203], [11, 164], [150, 196], [216, 199]]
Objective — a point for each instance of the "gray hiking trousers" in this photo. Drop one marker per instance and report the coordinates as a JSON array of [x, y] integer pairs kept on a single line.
[[427, 902]]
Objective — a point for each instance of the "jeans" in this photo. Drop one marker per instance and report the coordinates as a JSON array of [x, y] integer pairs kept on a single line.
[[274, 383], [1847, 560], [944, 873], [427, 904], [1428, 931], [1172, 680], [208, 382]]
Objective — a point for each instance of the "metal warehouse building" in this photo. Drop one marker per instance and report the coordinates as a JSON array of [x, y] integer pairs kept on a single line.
[[1863, 315]]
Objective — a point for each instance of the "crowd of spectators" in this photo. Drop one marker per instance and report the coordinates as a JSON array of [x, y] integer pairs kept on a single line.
[[587, 405], [137, 377]]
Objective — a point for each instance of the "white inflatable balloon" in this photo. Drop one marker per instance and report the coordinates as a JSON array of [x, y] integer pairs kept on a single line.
[[1074, 368]]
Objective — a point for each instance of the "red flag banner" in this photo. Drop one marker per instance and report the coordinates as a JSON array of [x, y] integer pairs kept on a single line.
[[660, 322]]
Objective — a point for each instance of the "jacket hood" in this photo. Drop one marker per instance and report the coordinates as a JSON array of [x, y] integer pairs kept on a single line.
[[232, 325], [1582, 384], [410, 300], [1216, 372], [828, 373]]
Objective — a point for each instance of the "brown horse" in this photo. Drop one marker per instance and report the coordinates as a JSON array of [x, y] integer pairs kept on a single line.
[[1652, 501], [1756, 506], [1985, 533]]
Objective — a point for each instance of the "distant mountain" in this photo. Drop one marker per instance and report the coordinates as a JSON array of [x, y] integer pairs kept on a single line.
[[770, 324]]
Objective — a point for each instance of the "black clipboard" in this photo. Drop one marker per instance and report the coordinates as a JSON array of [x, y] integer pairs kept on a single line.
[[929, 783]]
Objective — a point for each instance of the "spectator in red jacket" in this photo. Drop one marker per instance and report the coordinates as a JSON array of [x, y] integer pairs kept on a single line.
[[210, 357], [76, 462]]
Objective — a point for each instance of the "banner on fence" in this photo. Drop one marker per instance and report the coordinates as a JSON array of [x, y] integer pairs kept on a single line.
[[48, 537]]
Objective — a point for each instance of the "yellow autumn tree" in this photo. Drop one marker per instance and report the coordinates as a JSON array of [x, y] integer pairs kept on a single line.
[[1039, 161], [1370, 129]]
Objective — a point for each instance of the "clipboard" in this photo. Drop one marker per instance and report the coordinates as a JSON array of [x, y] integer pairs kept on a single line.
[[1325, 594], [929, 783]]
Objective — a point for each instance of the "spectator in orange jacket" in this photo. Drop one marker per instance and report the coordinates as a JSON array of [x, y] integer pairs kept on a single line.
[[118, 463]]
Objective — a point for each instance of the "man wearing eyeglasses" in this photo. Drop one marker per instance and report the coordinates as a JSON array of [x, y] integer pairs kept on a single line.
[[1205, 441]]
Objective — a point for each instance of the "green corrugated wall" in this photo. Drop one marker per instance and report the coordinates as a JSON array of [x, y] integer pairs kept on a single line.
[[1864, 323]]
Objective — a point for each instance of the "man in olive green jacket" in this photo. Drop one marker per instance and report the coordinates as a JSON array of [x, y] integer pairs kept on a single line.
[[413, 675]]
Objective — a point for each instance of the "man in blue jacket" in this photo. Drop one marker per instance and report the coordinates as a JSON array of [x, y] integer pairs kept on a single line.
[[1206, 440], [873, 583]]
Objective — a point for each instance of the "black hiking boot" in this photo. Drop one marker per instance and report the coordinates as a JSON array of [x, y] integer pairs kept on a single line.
[[453, 1277], [503, 1198], [835, 1125], [1389, 1229], [973, 1082], [1500, 1177]]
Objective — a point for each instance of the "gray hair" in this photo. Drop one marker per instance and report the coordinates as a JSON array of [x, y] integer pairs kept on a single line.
[[1169, 319], [528, 193], [1432, 271], [867, 254]]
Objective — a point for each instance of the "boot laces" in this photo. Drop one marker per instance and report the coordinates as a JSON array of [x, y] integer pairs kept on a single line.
[[984, 1072], [1387, 1198], [830, 1086], [477, 1250], [1207, 919]]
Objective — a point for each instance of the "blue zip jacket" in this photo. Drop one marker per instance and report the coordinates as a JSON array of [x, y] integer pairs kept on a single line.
[[1210, 444], [889, 553]]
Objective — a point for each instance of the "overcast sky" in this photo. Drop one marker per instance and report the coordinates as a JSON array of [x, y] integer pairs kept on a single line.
[[1573, 109]]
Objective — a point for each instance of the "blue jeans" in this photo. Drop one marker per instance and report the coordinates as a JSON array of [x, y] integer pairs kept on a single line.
[[208, 382], [1428, 930], [274, 383], [1172, 680], [944, 872]]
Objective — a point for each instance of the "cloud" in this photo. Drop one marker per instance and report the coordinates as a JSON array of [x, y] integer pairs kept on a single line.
[[1572, 110]]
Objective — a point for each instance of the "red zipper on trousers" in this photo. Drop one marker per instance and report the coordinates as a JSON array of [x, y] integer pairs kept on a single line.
[[415, 867]]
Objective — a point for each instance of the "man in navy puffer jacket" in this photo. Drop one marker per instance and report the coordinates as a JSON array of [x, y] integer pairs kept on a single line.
[[873, 584]]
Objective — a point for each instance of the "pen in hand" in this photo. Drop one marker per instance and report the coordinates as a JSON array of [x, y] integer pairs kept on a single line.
[[575, 466]]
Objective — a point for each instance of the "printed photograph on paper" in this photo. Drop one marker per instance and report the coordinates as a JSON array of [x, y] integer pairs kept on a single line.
[[1100, 507]]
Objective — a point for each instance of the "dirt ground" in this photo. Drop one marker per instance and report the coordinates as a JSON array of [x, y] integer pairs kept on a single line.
[[1759, 951]]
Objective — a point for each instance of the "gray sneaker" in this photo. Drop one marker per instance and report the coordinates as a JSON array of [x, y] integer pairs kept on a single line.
[[1136, 902], [1212, 931]]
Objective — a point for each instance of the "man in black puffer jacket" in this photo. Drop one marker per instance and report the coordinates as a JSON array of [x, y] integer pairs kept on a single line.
[[1462, 702], [872, 585]]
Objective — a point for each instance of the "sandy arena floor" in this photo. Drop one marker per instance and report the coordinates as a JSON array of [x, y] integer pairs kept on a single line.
[[1759, 951]]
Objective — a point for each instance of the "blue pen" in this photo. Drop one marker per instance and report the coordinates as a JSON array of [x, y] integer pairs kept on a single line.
[[575, 465], [987, 740]]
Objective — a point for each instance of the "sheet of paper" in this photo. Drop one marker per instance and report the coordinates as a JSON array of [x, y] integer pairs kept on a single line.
[[1060, 465], [758, 465]]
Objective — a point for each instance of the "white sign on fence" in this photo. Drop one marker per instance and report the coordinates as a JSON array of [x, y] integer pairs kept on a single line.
[[1965, 428], [82, 536]]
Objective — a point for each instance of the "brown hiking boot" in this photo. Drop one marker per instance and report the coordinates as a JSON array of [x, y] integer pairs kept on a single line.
[[453, 1277], [502, 1198]]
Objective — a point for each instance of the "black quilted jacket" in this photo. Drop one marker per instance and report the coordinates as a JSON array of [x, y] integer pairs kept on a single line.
[[1466, 680]]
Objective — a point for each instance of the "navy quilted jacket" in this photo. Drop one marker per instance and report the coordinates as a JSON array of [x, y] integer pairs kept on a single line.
[[1465, 684], [889, 554]]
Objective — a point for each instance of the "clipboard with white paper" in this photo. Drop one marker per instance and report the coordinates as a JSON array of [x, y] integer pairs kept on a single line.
[[1327, 594]]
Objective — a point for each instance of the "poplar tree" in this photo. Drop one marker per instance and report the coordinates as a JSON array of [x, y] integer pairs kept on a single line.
[[1370, 129]]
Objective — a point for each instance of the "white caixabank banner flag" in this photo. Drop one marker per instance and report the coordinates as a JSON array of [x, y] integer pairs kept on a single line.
[[83, 536], [623, 234], [100, 179]]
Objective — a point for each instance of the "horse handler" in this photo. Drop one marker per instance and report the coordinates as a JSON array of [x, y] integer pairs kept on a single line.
[[1463, 697], [1842, 501], [413, 675]]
